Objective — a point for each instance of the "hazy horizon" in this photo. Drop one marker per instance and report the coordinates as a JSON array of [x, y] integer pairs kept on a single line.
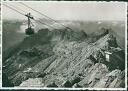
[[76, 11]]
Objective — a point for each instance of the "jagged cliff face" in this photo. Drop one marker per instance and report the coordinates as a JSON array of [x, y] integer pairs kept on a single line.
[[66, 58]]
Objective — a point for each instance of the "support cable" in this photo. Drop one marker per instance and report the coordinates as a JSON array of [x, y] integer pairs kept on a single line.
[[43, 15], [25, 15]]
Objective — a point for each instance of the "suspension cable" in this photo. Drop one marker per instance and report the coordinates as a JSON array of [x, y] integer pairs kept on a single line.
[[17, 8], [13, 9], [24, 15], [43, 15]]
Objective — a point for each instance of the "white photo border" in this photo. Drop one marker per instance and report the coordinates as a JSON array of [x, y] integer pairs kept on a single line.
[[45, 88]]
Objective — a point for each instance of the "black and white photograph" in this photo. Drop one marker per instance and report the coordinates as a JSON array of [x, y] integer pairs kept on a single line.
[[64, 44]]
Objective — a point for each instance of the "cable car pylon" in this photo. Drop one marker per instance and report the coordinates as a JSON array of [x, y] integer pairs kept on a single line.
[[29, 30]]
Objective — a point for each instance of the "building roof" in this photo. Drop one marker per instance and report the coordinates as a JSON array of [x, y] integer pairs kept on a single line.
[[113, 50]]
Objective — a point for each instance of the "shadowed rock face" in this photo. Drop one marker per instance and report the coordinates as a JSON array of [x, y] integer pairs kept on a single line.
[[65, 58], [6, 82]]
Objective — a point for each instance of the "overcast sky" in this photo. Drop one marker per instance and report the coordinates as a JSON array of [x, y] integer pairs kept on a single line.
[[69, 10]]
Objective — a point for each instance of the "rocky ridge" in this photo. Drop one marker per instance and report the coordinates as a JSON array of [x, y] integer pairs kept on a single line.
[[65, 58]]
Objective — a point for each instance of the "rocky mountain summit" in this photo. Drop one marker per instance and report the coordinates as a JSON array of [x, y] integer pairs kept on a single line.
[[66, 58]]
